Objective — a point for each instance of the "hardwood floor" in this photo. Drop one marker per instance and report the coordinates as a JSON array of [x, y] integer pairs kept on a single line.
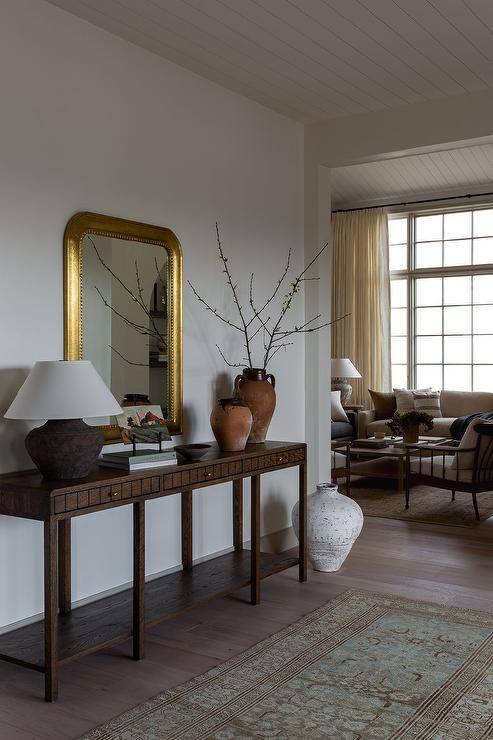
[[450, 565]]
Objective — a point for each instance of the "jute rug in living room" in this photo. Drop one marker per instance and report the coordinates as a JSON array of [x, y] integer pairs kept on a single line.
[[427, 504], [362, 666]]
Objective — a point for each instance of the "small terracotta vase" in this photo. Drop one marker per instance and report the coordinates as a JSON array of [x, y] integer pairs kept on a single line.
[[410, 436], [259, 394], [231, 422]]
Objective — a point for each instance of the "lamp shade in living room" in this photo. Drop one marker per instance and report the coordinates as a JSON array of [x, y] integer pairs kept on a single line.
[[341, 368], [64, 392]]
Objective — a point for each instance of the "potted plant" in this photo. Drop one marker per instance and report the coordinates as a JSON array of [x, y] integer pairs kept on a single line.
[[265, 321], [408, 423]]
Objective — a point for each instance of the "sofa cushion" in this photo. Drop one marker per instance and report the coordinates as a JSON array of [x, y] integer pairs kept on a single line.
[[340, 429], [441, 427], [463, 403], [384, 404]]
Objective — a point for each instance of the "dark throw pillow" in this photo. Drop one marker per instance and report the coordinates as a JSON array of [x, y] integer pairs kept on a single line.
[[384, 404]]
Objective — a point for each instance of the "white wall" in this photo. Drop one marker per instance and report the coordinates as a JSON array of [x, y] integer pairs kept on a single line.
[[90, 122]]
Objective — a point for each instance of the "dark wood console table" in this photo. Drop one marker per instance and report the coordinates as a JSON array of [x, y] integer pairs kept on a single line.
[[65, 635]]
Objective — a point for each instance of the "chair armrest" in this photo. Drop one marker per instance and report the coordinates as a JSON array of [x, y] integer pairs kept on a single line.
[[364, 418]]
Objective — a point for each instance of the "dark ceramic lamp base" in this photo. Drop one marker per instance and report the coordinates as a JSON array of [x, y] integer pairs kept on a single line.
[[65, 448]]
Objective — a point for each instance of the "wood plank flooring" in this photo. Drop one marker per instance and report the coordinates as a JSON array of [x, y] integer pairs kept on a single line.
[[450, 565]]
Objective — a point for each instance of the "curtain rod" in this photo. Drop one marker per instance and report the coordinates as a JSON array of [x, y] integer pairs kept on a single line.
[[414, 202]]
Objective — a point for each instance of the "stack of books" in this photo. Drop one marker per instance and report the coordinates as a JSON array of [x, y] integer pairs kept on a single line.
[[371, 443], [142, 459]]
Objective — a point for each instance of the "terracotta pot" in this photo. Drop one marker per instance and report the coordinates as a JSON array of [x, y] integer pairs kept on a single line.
[[410, 436], [254, 388], [231, 422]]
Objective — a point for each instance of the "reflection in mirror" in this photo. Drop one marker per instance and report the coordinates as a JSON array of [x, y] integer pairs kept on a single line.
[[125, 318]]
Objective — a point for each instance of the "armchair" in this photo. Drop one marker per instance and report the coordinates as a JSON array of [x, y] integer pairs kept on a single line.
[[468, 467]]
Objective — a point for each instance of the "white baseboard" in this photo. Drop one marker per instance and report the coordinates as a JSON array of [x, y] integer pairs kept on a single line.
[[274, 543]]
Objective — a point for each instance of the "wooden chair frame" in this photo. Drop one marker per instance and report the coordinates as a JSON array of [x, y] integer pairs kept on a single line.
[[482, 469]]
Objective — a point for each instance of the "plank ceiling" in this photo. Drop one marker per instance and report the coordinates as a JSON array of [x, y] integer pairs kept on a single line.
[[314, 60], [455, 172]]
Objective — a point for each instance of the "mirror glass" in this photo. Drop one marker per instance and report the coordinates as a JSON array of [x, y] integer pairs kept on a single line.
[[125, 318]]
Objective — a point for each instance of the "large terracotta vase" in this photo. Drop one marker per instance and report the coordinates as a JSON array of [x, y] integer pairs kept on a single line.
[[231, 422], [257, 389]]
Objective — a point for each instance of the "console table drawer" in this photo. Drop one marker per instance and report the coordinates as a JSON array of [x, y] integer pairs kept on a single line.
[[272, 460], [106, 494], [204, 474]]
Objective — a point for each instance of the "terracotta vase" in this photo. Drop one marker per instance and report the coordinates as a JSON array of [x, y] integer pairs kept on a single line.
[[410, 436], [231, 422], [257, 389]]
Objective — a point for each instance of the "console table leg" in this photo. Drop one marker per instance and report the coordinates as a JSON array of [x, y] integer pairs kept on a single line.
[[139, 581], [302, 523], [255, 540], [187, 530], [51, 608], [238, 514], [65, 565]]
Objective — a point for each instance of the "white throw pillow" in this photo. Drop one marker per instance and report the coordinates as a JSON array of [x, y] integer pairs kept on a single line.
[[337, 413], [404, 398]]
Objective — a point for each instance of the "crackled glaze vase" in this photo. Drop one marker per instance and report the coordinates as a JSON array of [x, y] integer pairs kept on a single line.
[[334, 523]]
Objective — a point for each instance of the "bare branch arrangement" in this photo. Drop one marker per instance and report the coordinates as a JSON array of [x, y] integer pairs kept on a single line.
[[259, 319], [157, 339]]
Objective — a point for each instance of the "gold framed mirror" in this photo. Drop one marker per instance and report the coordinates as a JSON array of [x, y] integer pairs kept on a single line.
[[123, 310]]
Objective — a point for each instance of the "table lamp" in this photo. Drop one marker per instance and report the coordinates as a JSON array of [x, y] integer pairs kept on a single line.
[[342, 368], [63, 392]]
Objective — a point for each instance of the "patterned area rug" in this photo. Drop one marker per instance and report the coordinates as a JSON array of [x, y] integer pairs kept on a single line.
[[362, 666], [427, 504]]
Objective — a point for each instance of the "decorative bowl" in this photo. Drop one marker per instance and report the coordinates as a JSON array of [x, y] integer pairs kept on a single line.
[[192, 452]]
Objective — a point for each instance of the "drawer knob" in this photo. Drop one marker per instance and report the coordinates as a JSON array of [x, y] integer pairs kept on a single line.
[[114, 493], [280, 460], [208, 474]]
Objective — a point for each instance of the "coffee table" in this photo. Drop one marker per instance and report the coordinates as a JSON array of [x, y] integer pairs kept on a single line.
[[389, 462]]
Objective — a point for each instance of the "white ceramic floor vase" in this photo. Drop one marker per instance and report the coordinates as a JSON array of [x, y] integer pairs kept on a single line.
[[334, 523]]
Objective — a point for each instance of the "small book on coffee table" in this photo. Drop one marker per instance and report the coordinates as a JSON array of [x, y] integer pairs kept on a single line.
[[371, 444]]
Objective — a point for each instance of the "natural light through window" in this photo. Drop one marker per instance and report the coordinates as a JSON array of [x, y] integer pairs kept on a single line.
[[442, 299]]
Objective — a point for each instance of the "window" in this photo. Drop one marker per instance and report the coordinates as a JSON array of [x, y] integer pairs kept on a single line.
[[442, 299]]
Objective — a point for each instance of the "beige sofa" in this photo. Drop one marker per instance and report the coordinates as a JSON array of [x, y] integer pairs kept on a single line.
[[452, 405]]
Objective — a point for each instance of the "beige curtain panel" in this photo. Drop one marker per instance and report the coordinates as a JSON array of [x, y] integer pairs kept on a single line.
[[361, 287]]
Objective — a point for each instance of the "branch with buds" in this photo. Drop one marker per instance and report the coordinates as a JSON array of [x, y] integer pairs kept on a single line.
[[259, 319]]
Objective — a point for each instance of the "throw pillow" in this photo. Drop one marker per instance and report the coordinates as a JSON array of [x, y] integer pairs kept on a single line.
[[405, 398], [429, 403], [384, 404], [337, 413]]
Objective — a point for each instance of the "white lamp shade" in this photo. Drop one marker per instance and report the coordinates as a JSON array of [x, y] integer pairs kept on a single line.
[[61, 389], [342, 367]]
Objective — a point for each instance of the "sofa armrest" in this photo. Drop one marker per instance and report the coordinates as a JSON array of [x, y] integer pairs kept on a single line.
[[364, 418]]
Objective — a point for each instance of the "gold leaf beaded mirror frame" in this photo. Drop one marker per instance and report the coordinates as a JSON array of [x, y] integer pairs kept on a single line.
[[96, 224]]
